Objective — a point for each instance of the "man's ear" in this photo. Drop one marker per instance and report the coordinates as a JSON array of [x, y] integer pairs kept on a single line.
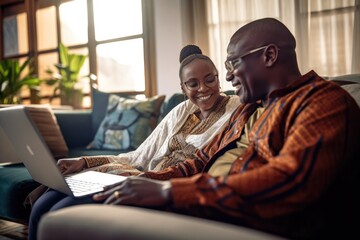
[[271, 55]]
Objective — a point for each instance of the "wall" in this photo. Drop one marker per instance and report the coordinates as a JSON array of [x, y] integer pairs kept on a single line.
[[169, 41], [175, 24]]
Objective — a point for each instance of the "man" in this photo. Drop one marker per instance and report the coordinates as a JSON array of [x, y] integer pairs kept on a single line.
[[301, 153]]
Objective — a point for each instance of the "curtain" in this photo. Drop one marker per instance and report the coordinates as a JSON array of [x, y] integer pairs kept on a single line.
[[326, 31], [356, 40], [194, 24]]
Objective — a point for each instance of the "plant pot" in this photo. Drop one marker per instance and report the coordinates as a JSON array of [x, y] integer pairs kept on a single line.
[[35, 96], [72, 97]]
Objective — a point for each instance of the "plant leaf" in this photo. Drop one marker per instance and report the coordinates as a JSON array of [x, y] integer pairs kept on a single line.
[[64, 54], [11, 81]]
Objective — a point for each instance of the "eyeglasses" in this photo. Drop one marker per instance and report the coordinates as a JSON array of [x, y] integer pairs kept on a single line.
[[230, 64], [194, 85]]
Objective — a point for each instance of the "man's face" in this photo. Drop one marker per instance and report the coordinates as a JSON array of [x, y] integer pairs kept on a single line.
[[246, 73]]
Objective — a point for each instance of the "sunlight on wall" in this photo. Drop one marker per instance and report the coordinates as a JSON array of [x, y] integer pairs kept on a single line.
[[22, 33], [46, 32]]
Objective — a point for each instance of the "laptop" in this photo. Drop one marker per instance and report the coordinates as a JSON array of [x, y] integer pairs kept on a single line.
[[37, 158], [8, 153]]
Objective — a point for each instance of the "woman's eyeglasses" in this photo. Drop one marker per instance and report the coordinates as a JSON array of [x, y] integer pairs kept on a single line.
[[194, 85]]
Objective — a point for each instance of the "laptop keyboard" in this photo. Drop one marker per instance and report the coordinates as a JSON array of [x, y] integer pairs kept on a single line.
[[79, 186]]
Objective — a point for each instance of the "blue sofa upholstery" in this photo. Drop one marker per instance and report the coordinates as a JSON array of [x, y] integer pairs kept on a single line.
[[15, 184]]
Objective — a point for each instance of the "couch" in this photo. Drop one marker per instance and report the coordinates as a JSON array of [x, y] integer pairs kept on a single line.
[[78, 129]]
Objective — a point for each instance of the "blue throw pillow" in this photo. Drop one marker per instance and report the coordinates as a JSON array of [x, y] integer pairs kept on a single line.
[[99, 103], [127, 123]]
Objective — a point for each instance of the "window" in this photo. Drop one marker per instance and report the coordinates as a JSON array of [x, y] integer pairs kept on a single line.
[[111, 33], [74, 22], [15, 35], [46, 28], [120, 50], [125, 17], [121, 65]]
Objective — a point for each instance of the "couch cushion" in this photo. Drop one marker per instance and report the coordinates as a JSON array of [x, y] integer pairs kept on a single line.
[[15, 184], [172, 102], [354, 91], [128, 122], [125, 222], [76, 127], [345, 79]]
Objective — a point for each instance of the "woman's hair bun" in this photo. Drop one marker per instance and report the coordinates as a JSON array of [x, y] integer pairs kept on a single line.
[[189, 50]]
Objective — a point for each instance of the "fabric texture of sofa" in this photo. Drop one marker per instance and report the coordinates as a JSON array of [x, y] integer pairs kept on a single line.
[[78, 129]]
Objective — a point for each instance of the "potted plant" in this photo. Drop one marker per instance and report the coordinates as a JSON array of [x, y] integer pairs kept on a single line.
[[67, 78], [12, 80]]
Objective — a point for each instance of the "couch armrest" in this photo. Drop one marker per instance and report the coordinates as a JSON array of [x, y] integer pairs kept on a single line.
[[76, 127], [122, 222]]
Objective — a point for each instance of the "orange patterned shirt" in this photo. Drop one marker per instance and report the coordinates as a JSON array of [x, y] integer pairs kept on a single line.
[[307, 138]]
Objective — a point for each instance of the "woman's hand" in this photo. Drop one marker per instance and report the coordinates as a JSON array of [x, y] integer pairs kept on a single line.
[[137, 191], [71, 165]]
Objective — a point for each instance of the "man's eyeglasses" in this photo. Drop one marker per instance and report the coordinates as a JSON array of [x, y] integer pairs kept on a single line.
[[194, 85], [230, 64]]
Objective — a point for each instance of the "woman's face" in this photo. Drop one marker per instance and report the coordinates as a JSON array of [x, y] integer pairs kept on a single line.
[[200, 83]]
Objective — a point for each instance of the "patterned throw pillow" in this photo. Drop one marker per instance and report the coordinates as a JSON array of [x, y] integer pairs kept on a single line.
[[127, 123]]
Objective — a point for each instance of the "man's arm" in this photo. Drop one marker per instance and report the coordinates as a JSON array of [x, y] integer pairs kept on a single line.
[[315, 153]]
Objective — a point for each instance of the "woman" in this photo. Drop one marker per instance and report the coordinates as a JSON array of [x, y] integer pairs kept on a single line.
[[188, 127]]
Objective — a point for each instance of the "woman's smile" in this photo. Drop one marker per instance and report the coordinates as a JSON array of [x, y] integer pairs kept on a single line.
[[204, 97]]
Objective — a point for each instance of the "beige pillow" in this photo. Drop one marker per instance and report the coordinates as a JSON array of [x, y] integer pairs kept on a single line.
[[354, 91], [45, 121]]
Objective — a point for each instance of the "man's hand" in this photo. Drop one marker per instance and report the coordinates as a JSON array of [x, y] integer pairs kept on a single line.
[[137, 191], [71, 165]]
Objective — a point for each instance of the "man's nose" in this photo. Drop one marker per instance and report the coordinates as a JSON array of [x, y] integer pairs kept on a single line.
[[229, 76]]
